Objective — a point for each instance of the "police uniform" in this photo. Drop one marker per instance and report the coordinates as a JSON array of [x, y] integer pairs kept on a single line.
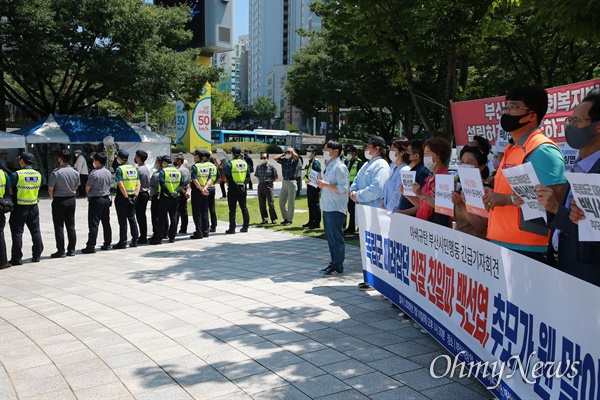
[[235, 172], [312, 192], [211, 196], [4, 193], [99, 182], [125, 206], [182, 210], [26, 184], [202, 172], [354, 166], [142, 202], [64, 180], [170, 182]]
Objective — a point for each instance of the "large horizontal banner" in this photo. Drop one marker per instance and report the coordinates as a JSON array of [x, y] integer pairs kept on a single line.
[[482, 117], [524, 329]]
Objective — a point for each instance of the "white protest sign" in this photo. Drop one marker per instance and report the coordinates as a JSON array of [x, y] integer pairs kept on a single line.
[[444, 186], [312, 178], [408, 178], [472, 187], [586, 192], [522, 180]]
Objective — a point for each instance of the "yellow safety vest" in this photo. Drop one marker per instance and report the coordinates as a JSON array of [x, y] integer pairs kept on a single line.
[[2, 184], [239, 169], [354, 169], [172, 178], [206, 170], [28, 186], [309, 168], [130, 178]]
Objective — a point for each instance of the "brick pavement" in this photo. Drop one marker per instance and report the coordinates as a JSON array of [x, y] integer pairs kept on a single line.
[[243, 316]]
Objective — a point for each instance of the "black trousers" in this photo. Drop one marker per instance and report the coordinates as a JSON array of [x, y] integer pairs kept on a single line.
[[299, 185], [3, 253], [314, 207], [99, 211], [167, 207], [223, 192], [265, 196], [63, 214], [200, 212], [140, 214], [21, 216], [351, 216], [211, 208], [183, 212], [82, 181], [237, 194], [126, 213], [154, 216]]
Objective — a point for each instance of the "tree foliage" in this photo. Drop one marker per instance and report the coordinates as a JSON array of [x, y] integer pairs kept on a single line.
[[264, 108], [63, 56], [223, 107]]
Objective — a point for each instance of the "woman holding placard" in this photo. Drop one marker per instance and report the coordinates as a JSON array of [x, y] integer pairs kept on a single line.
[[465, 221], [398, 157], [437, 152]]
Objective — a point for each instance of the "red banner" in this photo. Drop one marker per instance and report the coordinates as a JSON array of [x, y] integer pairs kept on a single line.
[[482, 117]]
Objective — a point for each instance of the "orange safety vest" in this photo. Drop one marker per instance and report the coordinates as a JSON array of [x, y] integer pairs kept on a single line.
[[504, 222]]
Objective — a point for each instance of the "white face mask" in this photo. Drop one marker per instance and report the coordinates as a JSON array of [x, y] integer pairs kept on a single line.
[[326, 155], [429, 164], [309, 153], [288, 156], [265, 162], [368, 155], [393, 156]]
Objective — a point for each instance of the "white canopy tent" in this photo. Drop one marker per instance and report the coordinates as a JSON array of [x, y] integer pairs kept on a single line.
[[11, 141]]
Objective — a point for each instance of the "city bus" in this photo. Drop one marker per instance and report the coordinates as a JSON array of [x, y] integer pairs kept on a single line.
[[280, 138]]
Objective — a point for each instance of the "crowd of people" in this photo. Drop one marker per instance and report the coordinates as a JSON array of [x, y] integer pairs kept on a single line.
[[333, 190]]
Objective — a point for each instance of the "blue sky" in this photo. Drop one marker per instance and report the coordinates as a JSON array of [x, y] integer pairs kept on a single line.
[[241, 17]]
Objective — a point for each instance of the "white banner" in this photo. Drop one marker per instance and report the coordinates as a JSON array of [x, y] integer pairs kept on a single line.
[[488, 304], [585, 188]]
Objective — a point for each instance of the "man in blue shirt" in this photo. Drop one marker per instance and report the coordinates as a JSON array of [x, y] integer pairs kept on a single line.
[[334, 203]]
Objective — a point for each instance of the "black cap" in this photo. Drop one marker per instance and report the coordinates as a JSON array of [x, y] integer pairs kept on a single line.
[[123, 155], [236, 150], [204, 154], [311, 148], [246, 151], [166, 158], [377, 141], [27, 157], [179, 157], [352, 148]]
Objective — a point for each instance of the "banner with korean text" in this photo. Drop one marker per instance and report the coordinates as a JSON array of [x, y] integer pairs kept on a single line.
[[524, 329], [482, 117]]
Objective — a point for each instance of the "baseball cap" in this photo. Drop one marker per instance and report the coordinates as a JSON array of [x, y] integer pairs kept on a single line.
[[123, 155], [198, 152], [27, 157], [166, 158], [377, 141], [236, 150], [352, 148], [311, 148], [246, 151], [77, 151]]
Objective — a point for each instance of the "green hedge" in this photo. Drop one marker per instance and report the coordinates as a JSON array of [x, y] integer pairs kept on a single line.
[[254, 147]]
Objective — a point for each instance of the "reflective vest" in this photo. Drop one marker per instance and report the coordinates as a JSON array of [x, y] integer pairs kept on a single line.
[[2, 184], [309, 167], [239, 169], [504, 222], [28, 186], [204, 171], [130, 178], [354, 169], [172, 178]]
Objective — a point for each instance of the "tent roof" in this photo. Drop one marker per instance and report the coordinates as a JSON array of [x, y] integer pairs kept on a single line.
[[11, 141], [58, 128]]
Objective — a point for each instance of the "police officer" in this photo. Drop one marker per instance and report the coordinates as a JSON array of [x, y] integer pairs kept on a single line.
[[26, 184], [154, 198], [354, 164], [250, 163], [142, 202], [4, 194], [182, 210], [170, 182], [313, 173], [204, 173], [128, 187], [62, 187], [212, 193], [235, 171], [98, 186]]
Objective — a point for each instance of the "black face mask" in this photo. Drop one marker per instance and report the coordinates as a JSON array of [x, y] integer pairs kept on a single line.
[[406, 158], [510, 123]]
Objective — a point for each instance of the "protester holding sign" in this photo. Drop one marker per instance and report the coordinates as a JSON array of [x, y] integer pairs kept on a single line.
[[437, 152], [525, 108], [465, 221], [567, 250], [415, 156], [391, 191]]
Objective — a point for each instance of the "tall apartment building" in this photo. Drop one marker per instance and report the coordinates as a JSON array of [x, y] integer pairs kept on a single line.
[[273, 39], [234, 78]]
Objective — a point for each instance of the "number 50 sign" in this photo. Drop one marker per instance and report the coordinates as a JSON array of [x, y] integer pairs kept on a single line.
[[201, 118]]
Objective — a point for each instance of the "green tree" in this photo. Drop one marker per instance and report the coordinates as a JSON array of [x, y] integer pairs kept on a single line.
[[64, 56], [264, 108], [223, 107]]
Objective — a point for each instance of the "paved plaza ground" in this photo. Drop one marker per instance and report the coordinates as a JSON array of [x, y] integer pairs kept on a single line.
[[245, 316]]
